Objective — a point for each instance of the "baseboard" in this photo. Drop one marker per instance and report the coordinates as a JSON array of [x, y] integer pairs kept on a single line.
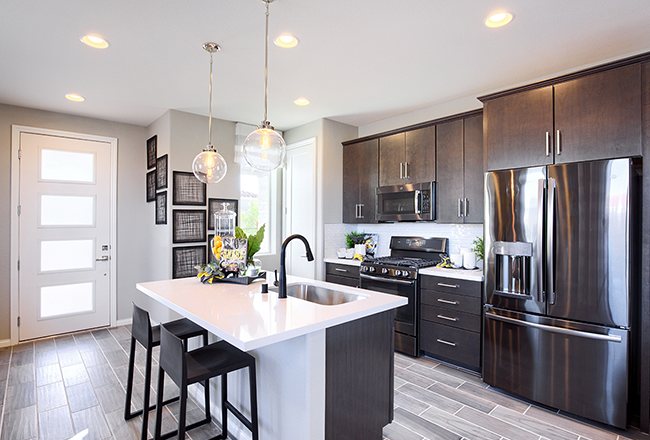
[[121, 322], [5, 343]]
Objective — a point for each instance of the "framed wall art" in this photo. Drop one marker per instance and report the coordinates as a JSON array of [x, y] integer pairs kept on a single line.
[[152, 151], [188, 190], [151, 186], [188, 226], [214, 205], [161, 172], [185, 258], [161, 208]]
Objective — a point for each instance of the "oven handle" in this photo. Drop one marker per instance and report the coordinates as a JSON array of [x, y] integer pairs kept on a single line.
[[387, 280]]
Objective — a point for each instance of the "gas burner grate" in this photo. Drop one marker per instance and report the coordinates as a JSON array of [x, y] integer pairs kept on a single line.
[[416, 263]]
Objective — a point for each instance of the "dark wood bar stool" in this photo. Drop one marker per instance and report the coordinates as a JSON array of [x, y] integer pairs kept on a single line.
[[198, 366], [149, 337]]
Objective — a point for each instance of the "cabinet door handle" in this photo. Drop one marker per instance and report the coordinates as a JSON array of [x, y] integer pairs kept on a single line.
[[406, 170], [361, 210], [466, 208], [453, 286], [442, 341], [455, 303], [459, 208], [558, 145], [548, 143], [338, 269], [401, 170], [356, 211], [447, 318]]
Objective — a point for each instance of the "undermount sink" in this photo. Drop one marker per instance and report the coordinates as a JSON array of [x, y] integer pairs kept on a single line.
[[321, 295]]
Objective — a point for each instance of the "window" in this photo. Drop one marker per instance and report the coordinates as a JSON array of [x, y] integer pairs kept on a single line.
[[258, 195]]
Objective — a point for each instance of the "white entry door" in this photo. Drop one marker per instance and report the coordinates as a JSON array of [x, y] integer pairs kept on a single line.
[[64, 235], [300, 206]]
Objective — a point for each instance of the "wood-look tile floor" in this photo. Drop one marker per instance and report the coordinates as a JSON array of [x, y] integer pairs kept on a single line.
[[437, 401], [55, 388]]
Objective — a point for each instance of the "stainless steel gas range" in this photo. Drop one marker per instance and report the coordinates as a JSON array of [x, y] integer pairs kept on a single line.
[[398, 274]]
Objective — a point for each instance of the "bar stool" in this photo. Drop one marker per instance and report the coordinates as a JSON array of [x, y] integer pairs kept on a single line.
[[186, 368], [149, 337]]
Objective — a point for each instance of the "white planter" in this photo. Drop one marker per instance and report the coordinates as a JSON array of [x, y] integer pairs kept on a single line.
[[360, 249]]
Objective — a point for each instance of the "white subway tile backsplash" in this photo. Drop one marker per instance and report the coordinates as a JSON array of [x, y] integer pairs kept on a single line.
[[458, 235]]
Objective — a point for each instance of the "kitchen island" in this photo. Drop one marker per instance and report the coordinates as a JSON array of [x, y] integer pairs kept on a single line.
[[323, 371]]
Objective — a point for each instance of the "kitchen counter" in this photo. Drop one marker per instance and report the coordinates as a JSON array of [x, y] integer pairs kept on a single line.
[[322, 371], [349, 262], [470, 275]]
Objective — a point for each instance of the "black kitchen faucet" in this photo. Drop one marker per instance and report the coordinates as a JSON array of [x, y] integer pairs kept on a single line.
[[282, 289]]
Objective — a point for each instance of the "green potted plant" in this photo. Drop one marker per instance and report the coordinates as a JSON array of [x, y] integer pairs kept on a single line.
[[356, 241], [477, 248]]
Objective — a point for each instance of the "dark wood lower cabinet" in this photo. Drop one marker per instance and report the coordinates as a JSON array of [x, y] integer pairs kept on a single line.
[[344, 274], [359, 378], [450, 320]]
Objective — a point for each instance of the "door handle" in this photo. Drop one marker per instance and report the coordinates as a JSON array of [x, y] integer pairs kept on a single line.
[[539, 258], [466, 210], [454, 303], [401, 170], [361, 210], [550, 248], [447, 318], [406, 170], [558, 146], [442, 341], [338, 269], [453, 286], [459, 208], [548, 143], [104, 258]]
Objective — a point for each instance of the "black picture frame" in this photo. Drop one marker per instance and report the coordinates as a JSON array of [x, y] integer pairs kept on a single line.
[[214, 205], [152, 151], [161, 172], [189, 226], [151, 186], [161, 208], [188, 190], [185, 258]]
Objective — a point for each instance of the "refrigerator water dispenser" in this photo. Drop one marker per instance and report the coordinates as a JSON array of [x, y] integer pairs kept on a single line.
[[513, 264]]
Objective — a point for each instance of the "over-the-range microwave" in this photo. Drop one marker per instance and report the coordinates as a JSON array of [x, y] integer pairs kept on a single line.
[[406, 202]]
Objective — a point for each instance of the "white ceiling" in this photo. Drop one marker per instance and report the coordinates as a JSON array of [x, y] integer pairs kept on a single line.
[[358, 61]]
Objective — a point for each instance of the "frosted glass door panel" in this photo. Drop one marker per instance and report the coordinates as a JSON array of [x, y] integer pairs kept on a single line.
[[67, 166], [58, 210], [67, 299], [57, 255]]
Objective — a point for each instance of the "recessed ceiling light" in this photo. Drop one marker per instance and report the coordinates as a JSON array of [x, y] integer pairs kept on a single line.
[[74, 97], [94, 41], [286, 40], [301, 101], [499, 19]]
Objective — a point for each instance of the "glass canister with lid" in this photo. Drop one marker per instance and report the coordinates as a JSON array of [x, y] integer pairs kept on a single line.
[[224, 225]]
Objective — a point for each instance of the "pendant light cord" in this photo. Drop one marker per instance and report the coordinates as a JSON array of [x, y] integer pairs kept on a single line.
[[210, 117], [266, 64]]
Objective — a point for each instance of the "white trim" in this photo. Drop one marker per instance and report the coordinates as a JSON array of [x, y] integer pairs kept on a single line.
[[5, 343], [16, 131], [122, 322]]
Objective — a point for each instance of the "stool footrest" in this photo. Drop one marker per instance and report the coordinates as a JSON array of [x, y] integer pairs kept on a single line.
[[239, 415], [137, 413], [174, 433]]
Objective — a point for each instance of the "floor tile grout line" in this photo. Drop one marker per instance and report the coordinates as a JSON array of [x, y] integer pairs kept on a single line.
[[4, 398]]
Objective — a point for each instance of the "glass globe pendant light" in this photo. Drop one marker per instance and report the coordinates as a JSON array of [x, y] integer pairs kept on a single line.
[[209, 166], [264, 149]]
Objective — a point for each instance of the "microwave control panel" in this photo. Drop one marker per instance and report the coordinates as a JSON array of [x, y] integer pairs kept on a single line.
[[426, 202]]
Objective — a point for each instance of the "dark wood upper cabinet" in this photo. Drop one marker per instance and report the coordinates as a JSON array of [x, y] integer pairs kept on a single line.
[[360, 161], [408, 157], [459, 187], [591, 117], [518, 128], [599, 116]]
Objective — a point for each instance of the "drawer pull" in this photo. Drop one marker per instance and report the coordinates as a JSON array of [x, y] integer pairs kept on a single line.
[[442, 341], [447, 318], [455, 303], [338, 269], [453, 286]]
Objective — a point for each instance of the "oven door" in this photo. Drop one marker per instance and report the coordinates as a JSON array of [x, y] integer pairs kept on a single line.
[[405, 316]]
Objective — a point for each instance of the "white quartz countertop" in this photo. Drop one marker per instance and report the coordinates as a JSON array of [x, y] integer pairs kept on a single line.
[[248, 319], [462, 274], [471, 275], [349, 262]]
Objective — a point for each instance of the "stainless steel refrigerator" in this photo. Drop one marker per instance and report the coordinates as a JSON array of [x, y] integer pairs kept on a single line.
[[558, 285]]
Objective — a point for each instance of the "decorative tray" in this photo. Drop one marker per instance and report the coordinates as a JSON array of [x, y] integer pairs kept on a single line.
[[240, 280]]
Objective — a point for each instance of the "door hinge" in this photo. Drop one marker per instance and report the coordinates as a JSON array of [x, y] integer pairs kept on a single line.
[[18, 264], [20, 154], [18, 321], [18, 209]]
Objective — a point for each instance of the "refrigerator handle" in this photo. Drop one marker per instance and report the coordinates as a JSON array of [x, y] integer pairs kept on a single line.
[[550, 328], [550, 242], [539, 257]]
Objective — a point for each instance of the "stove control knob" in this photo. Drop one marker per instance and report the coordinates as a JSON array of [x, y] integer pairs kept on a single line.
[[398, 272], [364, 269], [406, 274], [373, 270], [384, 271]]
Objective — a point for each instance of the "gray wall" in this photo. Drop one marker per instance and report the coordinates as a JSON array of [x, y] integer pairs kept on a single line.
[[133, 216]]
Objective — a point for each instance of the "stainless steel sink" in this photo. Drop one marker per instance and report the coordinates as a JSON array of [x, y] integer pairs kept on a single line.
[[320, 295]]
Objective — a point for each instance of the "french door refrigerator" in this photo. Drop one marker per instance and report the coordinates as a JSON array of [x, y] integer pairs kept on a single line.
[[557, 285]]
